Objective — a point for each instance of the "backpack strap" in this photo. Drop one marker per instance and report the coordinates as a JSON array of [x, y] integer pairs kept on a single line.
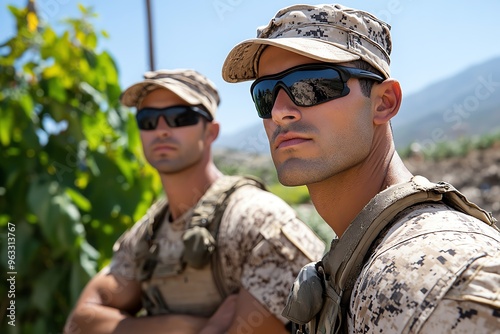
[[214, 201], [153, 220], [200, 239]]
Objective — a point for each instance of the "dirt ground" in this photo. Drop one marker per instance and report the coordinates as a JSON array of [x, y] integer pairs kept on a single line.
[[476, 175]]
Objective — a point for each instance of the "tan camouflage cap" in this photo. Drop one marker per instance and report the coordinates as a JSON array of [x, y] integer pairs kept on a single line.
[[189, 85], [330, 33]]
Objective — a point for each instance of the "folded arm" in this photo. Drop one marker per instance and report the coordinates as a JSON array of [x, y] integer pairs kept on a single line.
[[108, 304]]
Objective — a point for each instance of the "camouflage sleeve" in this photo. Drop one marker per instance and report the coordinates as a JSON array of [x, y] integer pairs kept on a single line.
[[125, 250], [473, 303], [264, 246], [436, 271]]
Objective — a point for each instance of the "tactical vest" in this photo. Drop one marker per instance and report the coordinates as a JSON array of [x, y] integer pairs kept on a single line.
[[194, 284], [319, 298]]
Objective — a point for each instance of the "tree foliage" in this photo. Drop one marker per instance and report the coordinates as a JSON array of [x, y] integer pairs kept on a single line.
[[72, 175]]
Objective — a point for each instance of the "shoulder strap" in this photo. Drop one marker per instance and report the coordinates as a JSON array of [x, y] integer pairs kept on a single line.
[[156, 216], [343, 263], [209, 212], [153, 220], [214, 202]]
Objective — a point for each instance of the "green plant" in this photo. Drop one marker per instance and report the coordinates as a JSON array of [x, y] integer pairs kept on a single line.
[[291, 195], [72, 176]]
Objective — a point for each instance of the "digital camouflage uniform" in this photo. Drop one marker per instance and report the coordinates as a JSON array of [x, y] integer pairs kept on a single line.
[[397, 290], [262, 245]]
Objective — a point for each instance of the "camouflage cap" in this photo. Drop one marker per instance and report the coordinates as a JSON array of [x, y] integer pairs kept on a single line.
[[329, 33], [189, 85]]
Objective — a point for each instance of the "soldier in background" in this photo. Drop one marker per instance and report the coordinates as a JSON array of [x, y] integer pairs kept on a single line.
[[412, 256], [218, 254]]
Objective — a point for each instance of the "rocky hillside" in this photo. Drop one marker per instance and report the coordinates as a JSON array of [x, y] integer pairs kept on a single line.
[[477, 175]]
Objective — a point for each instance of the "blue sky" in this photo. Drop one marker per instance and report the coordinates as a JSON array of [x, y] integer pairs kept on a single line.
[[432, 40]]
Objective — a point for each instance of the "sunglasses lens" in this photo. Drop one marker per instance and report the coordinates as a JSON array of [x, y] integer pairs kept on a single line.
[[262, 94], [306, 88], [177, 116], [147, 119], [315, 87], [186, 118]]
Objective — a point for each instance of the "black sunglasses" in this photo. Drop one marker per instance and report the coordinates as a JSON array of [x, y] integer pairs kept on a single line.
[[307, 85], [176, 116]]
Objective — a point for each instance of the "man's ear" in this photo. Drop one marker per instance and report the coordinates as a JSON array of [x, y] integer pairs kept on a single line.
[[387, 97], [212, 131]]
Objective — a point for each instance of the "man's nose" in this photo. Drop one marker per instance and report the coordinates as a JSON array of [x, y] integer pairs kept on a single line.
[[284, 110], [163, 126]]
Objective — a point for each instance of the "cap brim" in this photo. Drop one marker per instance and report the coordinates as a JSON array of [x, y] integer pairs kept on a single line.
[[241, 64], [134, 94]]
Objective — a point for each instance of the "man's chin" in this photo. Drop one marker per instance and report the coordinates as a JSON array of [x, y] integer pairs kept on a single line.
[[292, 173]]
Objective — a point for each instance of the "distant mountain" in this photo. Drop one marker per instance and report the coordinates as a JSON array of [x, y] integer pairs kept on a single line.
[[252, 139], [465, 104]]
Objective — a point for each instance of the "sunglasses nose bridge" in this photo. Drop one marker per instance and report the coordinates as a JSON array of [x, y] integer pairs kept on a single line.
[[280, 85], [162, 122], [284, 107]]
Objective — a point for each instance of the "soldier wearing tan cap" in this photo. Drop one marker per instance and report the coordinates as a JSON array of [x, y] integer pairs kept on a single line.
[[412, 256], [218, 254]]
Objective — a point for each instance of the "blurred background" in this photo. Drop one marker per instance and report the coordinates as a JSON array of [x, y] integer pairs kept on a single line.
[[72, 174]]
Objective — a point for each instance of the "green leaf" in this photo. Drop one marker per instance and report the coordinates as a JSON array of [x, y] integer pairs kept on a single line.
[[77, 280], [108, 67], [80, 201], [6, 125], [27, 247], [90, 57], [26, 103], [56, 90], [82, 8], [91, 40], [58, 216], [68, 226], [54, 71], [44, 289], [88, 259], [39, 201]]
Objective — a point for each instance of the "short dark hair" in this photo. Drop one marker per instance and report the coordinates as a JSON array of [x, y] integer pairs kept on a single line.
[[366, 84]]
